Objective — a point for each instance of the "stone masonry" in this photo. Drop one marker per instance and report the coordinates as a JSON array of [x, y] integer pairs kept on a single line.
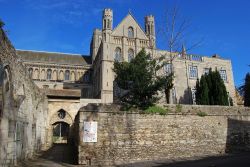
[[23, 109], [125, 137]]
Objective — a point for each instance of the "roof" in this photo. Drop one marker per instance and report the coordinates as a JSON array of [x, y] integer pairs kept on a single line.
[[54, 57], [63, 93], [131, 22]]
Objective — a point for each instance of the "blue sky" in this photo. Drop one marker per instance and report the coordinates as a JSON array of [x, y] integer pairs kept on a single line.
[[67, 25]]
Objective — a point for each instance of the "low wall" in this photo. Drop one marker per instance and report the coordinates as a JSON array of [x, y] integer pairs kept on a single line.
[[125, 137]]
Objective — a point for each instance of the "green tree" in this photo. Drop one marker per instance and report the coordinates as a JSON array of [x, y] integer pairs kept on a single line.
[[138, 79], [246, 89], [202, 97], [211, 90]]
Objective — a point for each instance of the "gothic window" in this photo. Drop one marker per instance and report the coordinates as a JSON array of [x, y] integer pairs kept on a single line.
[[149, 29], [61, 75], [73, 78], [105, 23], [67, 75], [118, 56], [54, 76], [130, 54], [223, 75], [168, 68], [49, 72], [42, 75], [130, 32], [36, 74], [30, 71], [108, 24], [193, 72]]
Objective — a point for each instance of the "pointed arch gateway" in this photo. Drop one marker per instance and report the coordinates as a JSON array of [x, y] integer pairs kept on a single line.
[[60, 123]]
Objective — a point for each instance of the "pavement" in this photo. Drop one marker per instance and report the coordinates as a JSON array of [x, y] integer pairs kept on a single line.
[[59, 155], [62, 155], [229, 160]]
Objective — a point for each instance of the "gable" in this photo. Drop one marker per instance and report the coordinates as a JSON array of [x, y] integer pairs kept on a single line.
[[129, 21]]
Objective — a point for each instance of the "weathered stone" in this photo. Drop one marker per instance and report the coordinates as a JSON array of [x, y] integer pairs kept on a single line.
[[23, 109], [130, 137]]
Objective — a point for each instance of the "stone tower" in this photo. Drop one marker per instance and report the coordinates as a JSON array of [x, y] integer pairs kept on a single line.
[[107, 19], [150, 29], [107, 23], [106, 58]]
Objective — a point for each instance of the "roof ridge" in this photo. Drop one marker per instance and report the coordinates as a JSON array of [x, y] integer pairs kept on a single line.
[[52, 52]]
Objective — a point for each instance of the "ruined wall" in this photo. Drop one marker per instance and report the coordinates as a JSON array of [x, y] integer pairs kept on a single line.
[[129, 137], [24, 109]]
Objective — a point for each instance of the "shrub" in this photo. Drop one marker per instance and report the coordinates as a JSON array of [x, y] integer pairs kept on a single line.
[[156, 109], [201, 114]]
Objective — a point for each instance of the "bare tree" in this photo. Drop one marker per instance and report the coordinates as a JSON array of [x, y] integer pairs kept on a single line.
[[174, 33]]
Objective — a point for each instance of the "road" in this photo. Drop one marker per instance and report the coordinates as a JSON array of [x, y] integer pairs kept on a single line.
[[62, 155]]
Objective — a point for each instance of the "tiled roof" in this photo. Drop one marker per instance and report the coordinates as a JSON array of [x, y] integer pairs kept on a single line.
[[50, 57]]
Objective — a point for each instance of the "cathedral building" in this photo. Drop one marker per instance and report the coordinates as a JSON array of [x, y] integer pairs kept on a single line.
[[91, 76], [42, 92]]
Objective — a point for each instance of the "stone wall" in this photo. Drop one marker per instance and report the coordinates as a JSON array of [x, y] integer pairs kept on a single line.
[[23, 109], [127, 137]]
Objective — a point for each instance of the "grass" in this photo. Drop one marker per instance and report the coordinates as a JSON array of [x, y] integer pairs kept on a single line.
[[178, 108], [201, 114], [156, 109]]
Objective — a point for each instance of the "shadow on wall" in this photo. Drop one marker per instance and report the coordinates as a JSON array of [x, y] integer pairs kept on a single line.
[[186, 98], [238, 135]]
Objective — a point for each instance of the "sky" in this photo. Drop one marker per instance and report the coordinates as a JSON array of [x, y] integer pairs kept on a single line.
[[223, 26]]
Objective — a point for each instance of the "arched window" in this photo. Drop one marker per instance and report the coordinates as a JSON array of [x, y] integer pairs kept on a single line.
[[67, 74], [130, 32], [130, 54], [105, 23], [61, 75], [149, 29], [73, 78], [108, 24], [36, 74], [30, 72], [42, 77], [118, 55], [49, 72], [54, 76]]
